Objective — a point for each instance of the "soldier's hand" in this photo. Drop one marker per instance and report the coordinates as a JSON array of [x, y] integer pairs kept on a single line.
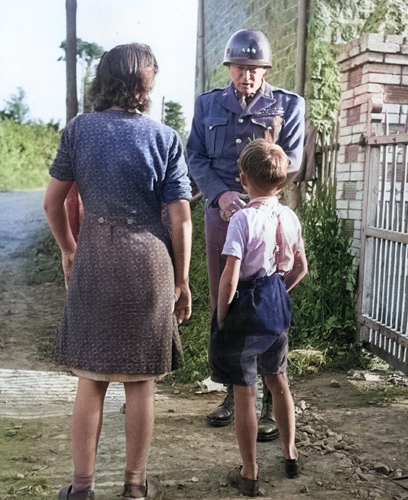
[[229, 203]]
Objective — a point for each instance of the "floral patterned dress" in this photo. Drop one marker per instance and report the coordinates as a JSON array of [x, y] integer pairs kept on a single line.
[[118, 317]]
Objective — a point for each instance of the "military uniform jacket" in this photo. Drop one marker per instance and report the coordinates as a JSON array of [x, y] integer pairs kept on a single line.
[[221, 129]]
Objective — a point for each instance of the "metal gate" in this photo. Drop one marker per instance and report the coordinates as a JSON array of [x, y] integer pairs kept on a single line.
[[383, 285]]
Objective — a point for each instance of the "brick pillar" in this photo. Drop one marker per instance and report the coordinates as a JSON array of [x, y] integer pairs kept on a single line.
[[374, 71]]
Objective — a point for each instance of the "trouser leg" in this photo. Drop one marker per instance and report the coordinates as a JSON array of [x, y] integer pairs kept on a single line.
[[215, 234]]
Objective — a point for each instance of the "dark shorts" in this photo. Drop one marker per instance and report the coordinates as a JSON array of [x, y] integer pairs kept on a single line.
[[254, 338]]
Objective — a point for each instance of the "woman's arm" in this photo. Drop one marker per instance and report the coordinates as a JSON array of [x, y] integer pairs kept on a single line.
[[181, 237], [228, 287], [57, 218], [299, 271]]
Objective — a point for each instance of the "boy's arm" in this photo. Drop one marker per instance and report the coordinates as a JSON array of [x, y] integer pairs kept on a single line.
[[299, 271], [228, 287]]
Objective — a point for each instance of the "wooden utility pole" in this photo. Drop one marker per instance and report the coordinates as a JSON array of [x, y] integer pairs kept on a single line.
[[73, 203], [71, 60]]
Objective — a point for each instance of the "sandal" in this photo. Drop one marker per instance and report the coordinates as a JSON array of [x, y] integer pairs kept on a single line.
[[247, 487], [291, 467], [153, 490], [65, 494]]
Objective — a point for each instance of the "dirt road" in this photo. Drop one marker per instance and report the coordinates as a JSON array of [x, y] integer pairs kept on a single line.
[[352, 440]]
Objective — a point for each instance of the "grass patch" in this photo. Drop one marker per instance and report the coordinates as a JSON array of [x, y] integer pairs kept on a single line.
[[46, 335], [195, 335], [20, 461], [43, 264], [384, 396], [305, 362]]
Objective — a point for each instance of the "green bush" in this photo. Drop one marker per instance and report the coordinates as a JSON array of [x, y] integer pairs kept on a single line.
[[26, 153], [195, 335], [324, 302]]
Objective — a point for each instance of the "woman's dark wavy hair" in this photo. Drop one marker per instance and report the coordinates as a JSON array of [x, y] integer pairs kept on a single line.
[[124, 78]]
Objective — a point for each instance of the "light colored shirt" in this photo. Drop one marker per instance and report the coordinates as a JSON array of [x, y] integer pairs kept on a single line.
[[253, 236]]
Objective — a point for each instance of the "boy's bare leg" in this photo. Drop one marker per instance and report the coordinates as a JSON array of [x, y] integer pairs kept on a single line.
[[284, 411], [246, 428]]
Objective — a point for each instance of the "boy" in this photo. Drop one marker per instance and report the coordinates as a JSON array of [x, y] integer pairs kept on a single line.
[[265, 259]]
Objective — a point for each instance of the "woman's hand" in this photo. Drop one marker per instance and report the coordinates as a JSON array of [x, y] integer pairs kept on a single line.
[[182, 299], [67, 263]]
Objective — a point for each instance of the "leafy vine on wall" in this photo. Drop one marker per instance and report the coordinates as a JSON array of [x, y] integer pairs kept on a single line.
[[331, 24]]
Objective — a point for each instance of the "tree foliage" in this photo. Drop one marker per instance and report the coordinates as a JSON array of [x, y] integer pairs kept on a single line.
[[174, 118], [16, 109], [87, 53], [26, 151]]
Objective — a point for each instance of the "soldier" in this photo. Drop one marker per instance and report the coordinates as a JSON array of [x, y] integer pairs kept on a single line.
[[225, 121]]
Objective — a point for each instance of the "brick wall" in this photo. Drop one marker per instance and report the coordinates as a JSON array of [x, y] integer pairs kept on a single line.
[[374, 71], [221, 18]]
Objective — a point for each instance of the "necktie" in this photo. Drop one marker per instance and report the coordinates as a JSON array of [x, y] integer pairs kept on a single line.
[[243, 102]]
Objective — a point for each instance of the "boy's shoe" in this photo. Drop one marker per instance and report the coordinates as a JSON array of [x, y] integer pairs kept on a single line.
[[247, 487], [291, 467], [65, 494]]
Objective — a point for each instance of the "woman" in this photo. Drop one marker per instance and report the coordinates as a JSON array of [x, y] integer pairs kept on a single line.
[[128, 277]]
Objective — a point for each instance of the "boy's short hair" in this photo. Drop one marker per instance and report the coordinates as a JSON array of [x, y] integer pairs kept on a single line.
[[264, 163]]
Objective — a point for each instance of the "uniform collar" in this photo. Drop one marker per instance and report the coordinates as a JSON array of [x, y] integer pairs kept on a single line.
[[263, 98], [249, 97]]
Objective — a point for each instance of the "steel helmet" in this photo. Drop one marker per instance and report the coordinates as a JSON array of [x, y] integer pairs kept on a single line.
[[248, 48]]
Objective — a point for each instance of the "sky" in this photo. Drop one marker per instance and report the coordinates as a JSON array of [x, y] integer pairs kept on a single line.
[[31, 32]]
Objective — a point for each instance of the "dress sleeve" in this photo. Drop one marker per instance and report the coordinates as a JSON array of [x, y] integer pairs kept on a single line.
[[62, 167], [237, 236], [177, 184]]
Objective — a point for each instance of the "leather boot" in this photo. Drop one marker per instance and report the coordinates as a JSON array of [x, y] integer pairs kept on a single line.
[[223, 414], [267, 428]]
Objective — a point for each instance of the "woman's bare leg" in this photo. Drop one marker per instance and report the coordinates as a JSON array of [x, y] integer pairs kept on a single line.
[[139, 430], [85, 430]]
